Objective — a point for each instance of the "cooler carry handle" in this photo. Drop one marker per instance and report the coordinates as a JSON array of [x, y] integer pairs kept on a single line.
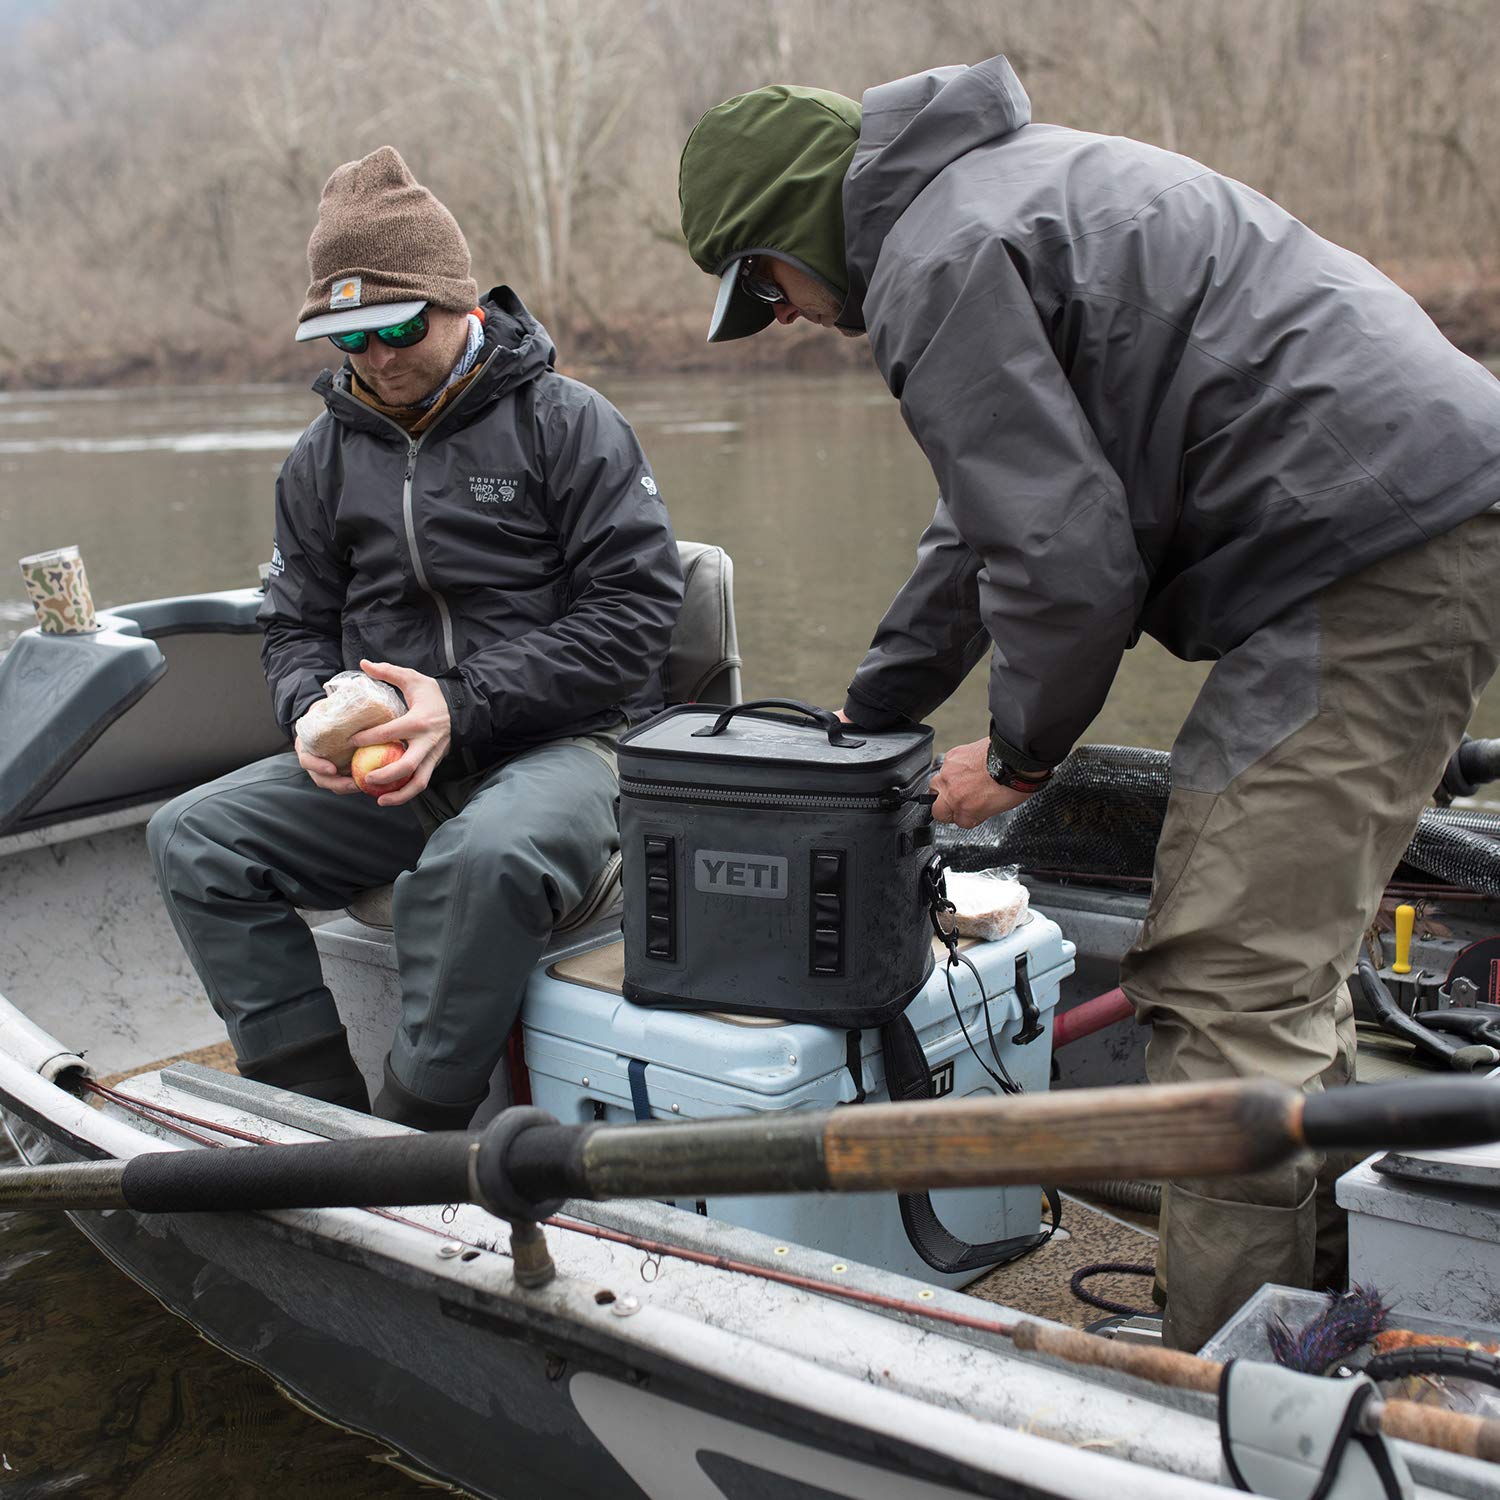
[[826, 718]]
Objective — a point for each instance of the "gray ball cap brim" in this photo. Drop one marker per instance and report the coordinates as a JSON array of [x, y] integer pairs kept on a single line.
[[358, 319], [736, 313]]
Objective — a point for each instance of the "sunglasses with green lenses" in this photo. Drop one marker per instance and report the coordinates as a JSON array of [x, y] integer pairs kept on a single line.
[[398, 336]]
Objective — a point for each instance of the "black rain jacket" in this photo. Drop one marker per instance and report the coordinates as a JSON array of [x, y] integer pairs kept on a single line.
[[517, 551]]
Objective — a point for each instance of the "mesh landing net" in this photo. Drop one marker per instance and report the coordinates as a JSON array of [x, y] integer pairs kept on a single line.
[[1101, 815]]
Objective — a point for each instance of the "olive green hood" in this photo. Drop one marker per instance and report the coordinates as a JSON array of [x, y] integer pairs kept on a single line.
[[763, 174]]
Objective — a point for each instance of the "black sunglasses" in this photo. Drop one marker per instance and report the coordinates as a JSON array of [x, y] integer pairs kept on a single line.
[[398, 336], [762, 288]]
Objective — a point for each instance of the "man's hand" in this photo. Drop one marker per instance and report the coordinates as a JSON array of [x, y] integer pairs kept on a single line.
[[966, 793], [323, 772], [425, 726]]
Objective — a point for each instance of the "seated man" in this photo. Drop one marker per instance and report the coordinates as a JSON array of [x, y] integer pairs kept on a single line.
[[484, 534]]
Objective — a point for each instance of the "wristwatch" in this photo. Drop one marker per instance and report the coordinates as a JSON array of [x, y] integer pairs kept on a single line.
[[1002, 773]]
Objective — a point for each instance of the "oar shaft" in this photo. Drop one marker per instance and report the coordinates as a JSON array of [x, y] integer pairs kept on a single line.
[[1418, 1114], [85, 1184], [1188, 1129]]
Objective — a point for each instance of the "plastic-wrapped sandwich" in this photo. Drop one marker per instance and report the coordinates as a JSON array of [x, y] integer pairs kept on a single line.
[[989, 904], [354, 702]]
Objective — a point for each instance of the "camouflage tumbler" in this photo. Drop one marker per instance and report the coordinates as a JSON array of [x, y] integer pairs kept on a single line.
[[59, 590]]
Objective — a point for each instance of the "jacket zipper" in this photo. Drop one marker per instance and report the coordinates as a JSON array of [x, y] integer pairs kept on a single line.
[[413, 446], [886, 801], [445, 618]]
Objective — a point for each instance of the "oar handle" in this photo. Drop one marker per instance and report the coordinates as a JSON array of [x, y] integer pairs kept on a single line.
[[387, 1171]]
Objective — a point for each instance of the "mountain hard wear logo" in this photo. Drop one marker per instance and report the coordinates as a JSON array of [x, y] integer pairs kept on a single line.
[[345, 293], [491, 489]]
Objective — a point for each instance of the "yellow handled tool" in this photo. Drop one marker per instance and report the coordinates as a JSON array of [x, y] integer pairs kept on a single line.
[[1406, 920]]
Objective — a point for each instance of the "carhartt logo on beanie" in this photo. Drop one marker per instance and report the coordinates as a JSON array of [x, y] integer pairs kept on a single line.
[[383, 238]]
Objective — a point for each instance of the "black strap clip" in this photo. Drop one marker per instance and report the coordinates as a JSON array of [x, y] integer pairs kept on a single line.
[[935, 897]]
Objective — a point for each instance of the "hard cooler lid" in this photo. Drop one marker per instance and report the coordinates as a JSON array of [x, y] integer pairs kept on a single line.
[[575, 1003], [772, 738]]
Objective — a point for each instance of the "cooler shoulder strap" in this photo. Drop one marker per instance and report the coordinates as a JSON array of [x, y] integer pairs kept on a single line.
[[908, 1080]]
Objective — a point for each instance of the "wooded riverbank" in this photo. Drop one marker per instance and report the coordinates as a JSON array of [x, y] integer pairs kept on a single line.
[[163, 158], [1469, 316]]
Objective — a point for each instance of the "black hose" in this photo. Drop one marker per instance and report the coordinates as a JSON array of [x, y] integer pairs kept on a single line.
[[1110, 1268], [1450, 1362], [1470, 766], [1124, 1192]]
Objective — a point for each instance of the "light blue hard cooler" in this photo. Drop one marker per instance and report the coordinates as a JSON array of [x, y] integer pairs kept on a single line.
[[581, 1041]]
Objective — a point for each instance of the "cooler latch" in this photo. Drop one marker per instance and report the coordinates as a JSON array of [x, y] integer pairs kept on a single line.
[[1031, 1015], [661, 902]]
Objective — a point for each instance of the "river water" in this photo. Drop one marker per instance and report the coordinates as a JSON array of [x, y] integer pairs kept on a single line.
[[818, 493]]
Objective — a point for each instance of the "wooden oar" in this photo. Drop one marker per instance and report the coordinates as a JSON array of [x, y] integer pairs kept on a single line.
[[524, 1163], [525, 1158]]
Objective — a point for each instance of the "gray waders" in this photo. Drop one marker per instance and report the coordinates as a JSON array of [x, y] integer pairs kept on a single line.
[[483, 869]]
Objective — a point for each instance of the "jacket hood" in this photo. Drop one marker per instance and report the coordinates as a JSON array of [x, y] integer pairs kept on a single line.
[[911, 130], [516, 350], [763, 174]]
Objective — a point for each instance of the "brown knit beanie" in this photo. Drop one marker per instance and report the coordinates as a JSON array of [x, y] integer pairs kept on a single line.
[[382, 237]]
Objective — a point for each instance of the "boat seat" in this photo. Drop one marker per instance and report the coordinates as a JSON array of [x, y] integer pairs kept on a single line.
[[702, 666], [117, 719]]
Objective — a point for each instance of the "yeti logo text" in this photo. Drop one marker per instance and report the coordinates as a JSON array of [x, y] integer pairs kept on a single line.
[[724, 873], [489, 489]]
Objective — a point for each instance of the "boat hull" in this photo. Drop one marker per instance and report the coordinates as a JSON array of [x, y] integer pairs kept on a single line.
[[378, 1327]]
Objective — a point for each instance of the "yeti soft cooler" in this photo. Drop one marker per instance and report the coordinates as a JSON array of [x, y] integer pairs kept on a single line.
[[772, 863], [591, 1055]]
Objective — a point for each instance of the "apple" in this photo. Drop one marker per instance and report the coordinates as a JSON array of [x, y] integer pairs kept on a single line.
[[370, 758]]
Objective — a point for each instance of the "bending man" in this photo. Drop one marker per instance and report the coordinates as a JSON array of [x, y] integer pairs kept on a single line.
[[1154, 402]]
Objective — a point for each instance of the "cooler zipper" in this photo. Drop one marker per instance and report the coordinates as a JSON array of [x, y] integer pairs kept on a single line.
[[886, 801]]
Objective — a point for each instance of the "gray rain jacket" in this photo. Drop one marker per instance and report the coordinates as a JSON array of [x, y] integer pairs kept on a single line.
[[517, 551], [1153, 400]]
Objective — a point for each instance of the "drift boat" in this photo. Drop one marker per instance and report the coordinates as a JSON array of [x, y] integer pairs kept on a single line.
[[673, 1353]]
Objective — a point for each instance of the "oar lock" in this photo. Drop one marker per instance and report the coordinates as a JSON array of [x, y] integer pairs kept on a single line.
[[493, 1185]]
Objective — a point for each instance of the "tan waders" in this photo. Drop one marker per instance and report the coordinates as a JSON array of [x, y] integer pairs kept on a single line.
[[1298, 780]]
